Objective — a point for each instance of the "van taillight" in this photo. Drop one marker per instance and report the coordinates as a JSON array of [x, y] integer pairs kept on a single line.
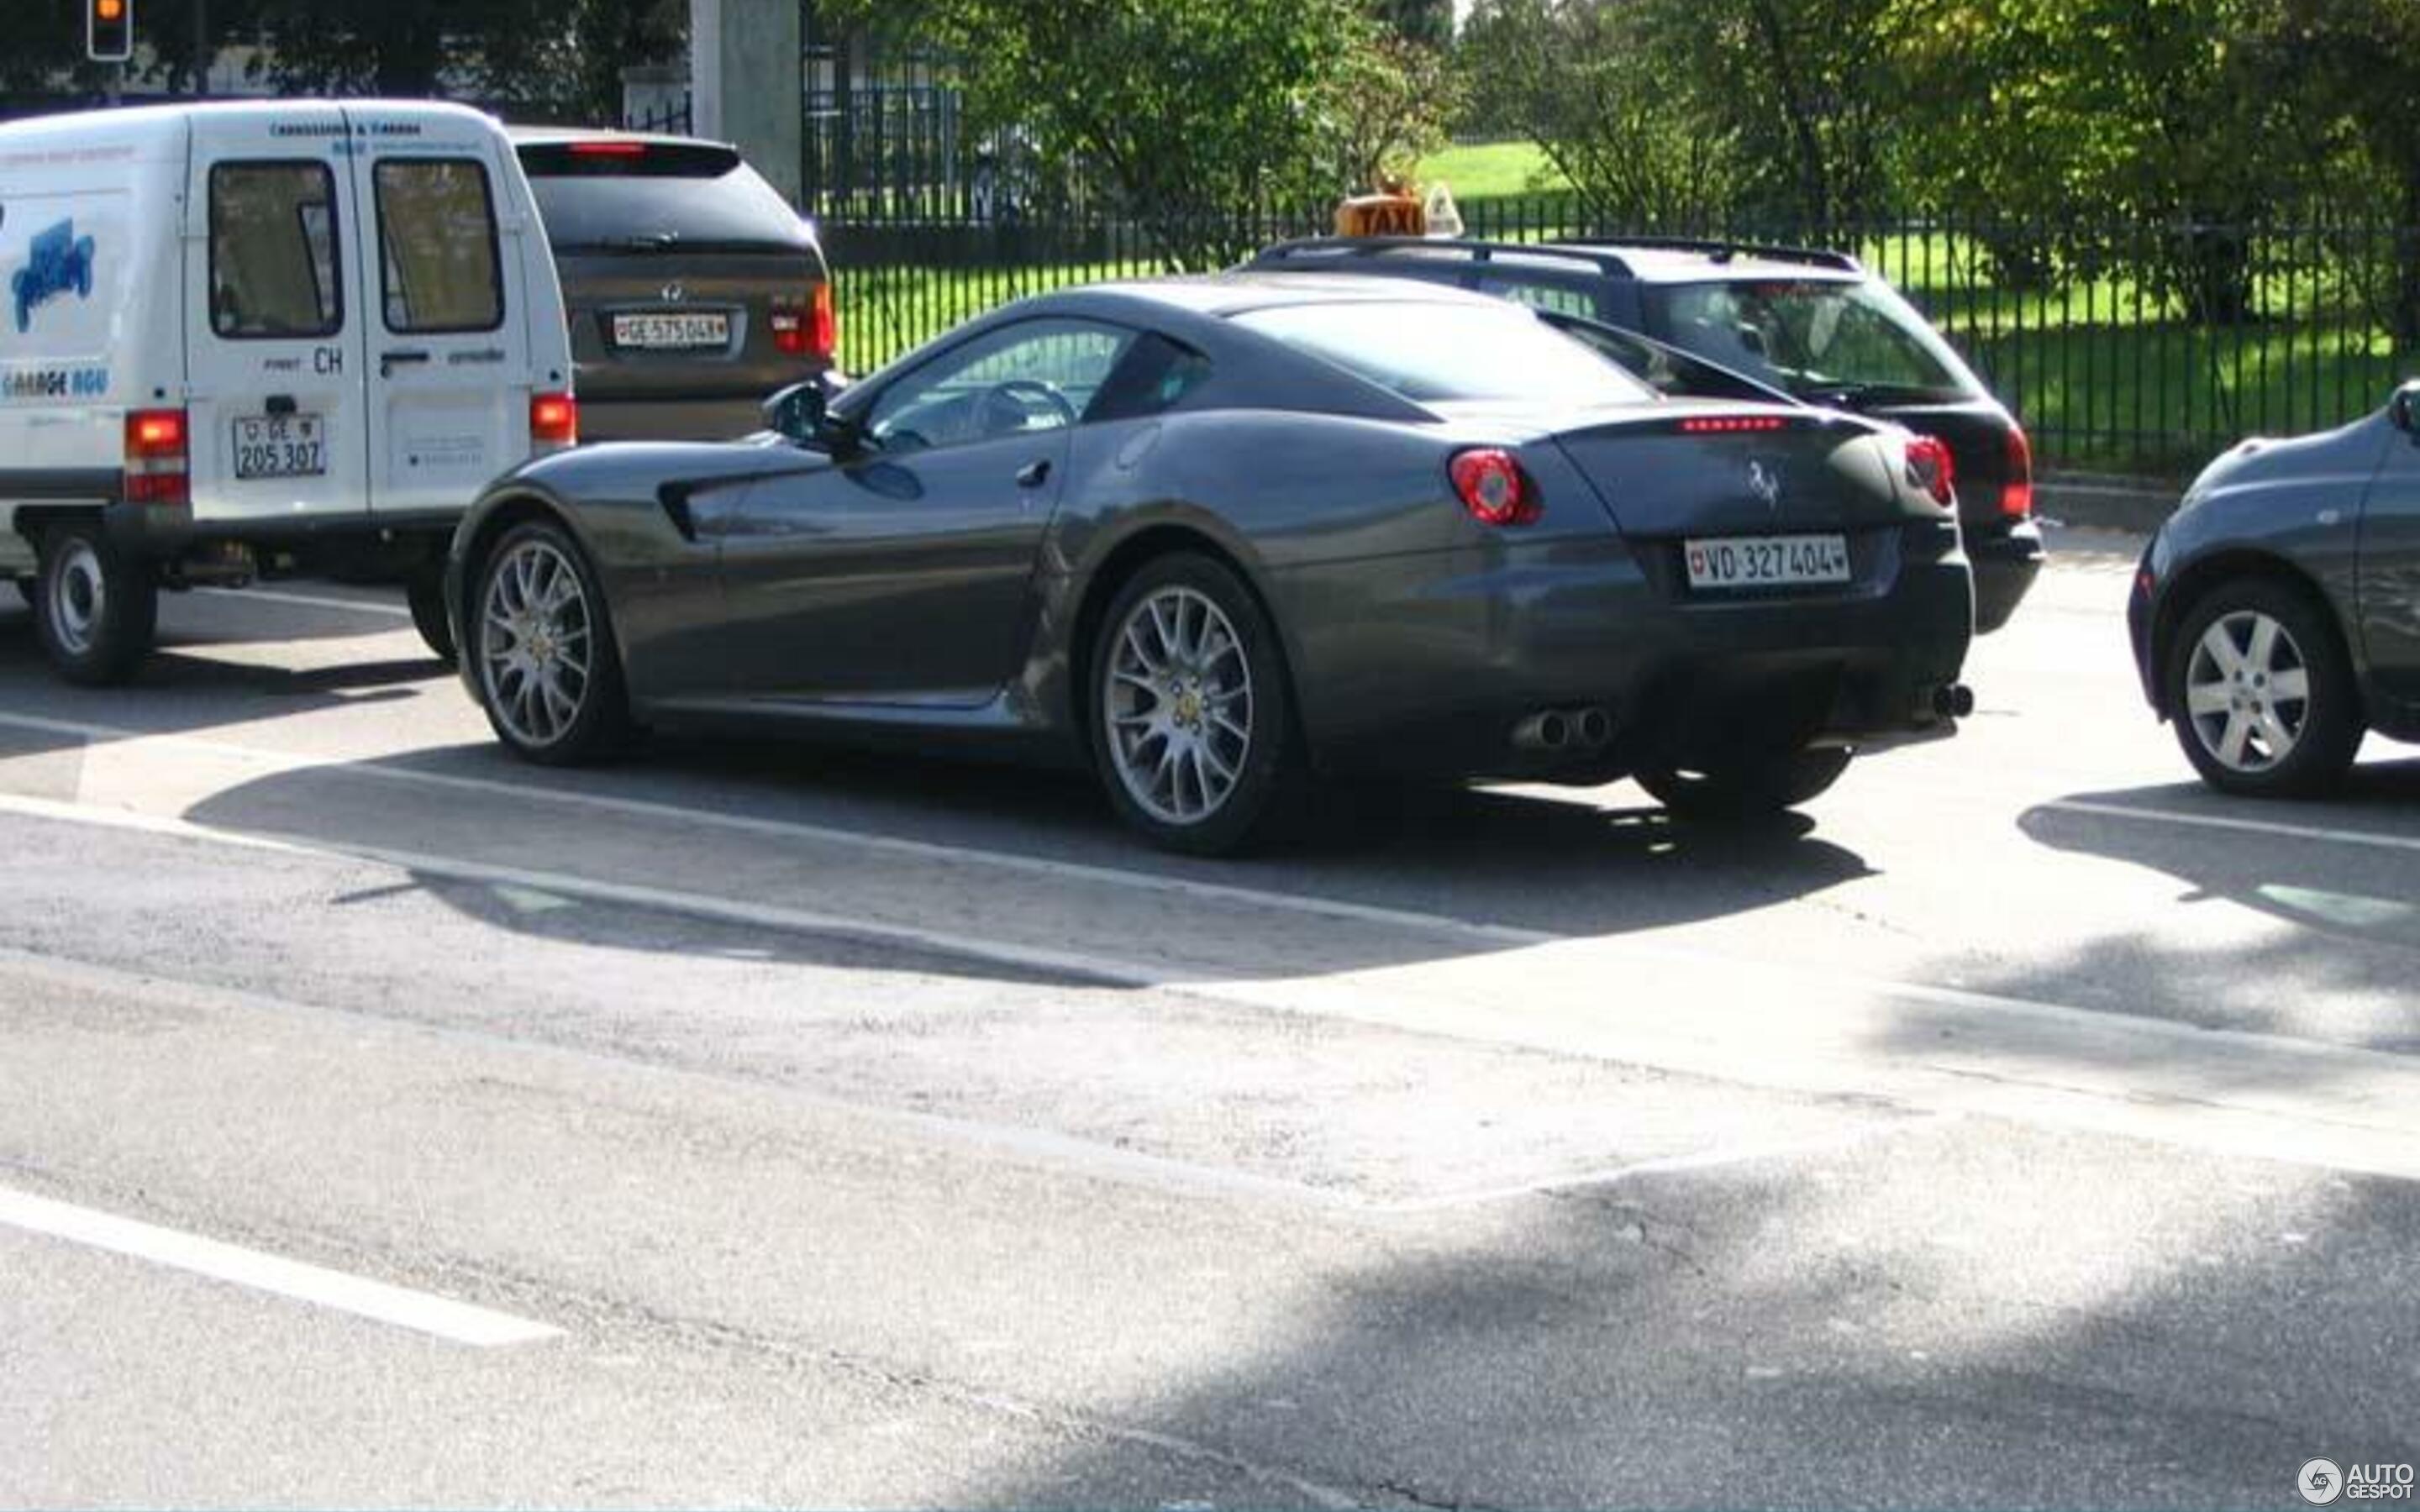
[[811, 332], [158, 458], [555, 422], [2017, 494]]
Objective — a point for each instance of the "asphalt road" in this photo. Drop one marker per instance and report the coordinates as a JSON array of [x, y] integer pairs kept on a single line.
[[381, 1121]]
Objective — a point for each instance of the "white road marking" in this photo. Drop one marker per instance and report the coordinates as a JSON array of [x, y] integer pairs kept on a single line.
[[2240, 826], [2037, 1063], [416, 1310], [1703, 1160], [1010, 1141], [1156, 882], [351, 606]]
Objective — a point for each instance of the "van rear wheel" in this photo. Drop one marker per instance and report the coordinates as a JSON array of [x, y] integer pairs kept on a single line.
[[95, 606]]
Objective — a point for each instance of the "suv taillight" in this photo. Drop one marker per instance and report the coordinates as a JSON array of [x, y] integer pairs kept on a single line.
[[555, 422], [158, 458], [811, 332], [2017, 494]]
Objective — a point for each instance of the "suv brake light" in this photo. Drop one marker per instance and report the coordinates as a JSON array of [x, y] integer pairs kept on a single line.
[[158, 458], [555, 422], [2017, 494], [814, 332]]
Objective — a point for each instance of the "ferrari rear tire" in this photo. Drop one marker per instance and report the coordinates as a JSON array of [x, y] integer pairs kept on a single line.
[[1192, 718], [1749, 786], [542, 649]]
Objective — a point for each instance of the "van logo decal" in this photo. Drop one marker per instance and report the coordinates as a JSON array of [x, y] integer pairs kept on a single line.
[[57, 261]]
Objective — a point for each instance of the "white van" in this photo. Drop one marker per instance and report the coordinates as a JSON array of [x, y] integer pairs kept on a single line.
[[239, 340]]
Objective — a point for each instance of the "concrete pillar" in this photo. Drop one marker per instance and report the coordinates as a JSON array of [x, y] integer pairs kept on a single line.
[[746, 83]]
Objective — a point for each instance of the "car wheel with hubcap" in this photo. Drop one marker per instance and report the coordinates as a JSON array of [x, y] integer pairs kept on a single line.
[[545, 663], [95, 607], [1751, 785], [1192, 723], [2261, 691]]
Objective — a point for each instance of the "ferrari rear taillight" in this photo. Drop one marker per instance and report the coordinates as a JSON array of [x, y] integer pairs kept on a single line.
[[555, 422], [1929, 467], [2017, 493], [1492, 487], [158, 458]]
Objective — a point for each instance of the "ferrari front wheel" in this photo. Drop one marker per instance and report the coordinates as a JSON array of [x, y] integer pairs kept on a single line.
[[544, 655], [1192, 721]]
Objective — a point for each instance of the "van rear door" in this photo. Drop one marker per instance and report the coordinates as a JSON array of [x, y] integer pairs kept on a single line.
[[439, 262], [275, 355]]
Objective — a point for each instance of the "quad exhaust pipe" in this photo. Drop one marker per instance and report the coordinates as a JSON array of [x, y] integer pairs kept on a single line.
[[1953, 701], [1585, 727]]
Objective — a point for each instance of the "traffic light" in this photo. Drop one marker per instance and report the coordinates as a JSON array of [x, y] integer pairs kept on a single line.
[[109, 30]]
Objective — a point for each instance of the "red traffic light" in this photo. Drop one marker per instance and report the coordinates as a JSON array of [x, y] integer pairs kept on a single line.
[[109, 30]]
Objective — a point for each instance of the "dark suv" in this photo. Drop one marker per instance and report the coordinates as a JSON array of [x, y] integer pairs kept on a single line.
[[693, 289], [1814, 324]]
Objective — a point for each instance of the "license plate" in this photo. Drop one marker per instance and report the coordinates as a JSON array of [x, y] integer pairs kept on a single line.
[[1767, 561], [672, 333], [280, 446]]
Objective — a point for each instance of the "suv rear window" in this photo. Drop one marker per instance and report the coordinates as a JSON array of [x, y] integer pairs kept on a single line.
[[1834, 340], [618, 196], [1431, 353]]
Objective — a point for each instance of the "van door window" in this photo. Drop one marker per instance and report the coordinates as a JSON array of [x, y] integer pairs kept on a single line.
[[437, 241], [274, 269]]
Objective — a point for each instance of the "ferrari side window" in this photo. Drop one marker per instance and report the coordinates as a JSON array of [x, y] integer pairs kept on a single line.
[[1035, 376]]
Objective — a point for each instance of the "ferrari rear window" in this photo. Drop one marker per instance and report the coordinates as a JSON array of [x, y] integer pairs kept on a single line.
[[1435, 352]]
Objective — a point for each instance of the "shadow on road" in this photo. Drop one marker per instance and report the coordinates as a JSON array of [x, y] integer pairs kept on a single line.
[[1971, 1315]]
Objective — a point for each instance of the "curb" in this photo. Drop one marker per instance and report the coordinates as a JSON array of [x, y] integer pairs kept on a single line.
[[2136, 506]]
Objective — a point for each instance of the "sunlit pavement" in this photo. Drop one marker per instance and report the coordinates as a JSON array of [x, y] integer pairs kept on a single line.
[[383, 1121]]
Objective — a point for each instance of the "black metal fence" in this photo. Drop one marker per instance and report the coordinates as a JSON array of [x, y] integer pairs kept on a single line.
[[2140, 348]]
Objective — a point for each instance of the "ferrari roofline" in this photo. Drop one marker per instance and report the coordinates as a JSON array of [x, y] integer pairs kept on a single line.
[[1235, 292]]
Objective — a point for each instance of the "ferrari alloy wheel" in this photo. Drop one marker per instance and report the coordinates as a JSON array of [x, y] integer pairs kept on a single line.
[[2263, 698], [546, 665], [1192, 727], [1748, 786]]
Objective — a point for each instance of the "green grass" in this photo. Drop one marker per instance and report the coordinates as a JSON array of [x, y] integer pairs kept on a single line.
[[1491, 170]]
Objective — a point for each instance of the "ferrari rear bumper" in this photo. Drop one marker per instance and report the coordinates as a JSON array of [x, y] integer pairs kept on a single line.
[[1429, 663]]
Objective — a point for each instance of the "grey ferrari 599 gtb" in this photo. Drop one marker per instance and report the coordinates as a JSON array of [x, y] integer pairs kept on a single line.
[[1217, 537]]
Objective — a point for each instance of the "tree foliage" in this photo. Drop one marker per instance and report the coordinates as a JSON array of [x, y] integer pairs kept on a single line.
[[1192, 112]]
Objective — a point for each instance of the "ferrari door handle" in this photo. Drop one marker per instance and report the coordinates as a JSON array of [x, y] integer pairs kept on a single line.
[[1033, 475]]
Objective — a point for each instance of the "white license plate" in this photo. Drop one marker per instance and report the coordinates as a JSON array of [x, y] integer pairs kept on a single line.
[[672, 333], [280, 446], [1767, 560]]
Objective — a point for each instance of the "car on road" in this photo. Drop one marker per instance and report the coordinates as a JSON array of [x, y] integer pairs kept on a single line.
[[693, 289], [1815, 324], [2275, 615], [1213, 536]]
